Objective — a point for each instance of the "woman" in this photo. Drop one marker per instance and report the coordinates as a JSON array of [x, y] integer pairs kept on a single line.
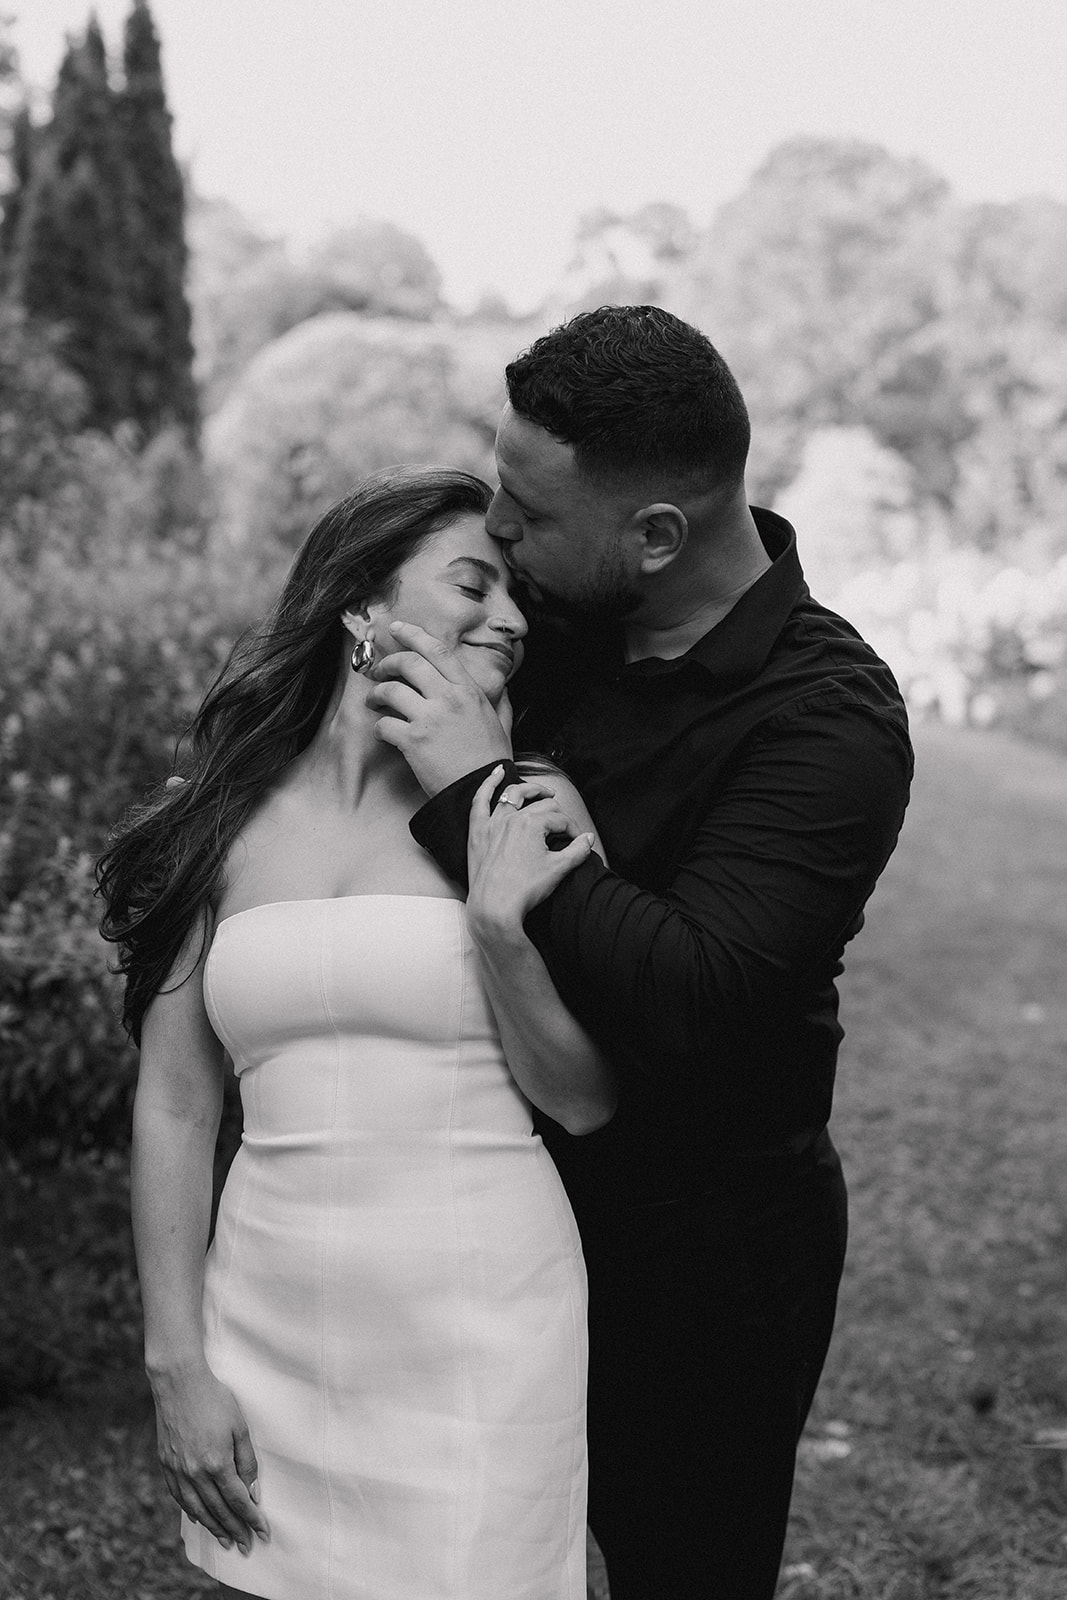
[[375, 1387]]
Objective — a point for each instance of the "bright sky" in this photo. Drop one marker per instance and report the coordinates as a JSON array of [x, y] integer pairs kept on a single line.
[[488, 126]]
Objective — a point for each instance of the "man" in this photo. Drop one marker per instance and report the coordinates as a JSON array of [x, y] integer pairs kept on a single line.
[[745, 756]]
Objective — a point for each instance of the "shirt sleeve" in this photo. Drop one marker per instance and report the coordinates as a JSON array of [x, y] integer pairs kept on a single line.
[[440, 826], [762, 902]]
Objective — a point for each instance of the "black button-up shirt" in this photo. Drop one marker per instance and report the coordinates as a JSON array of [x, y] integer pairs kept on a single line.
[[748, 794]]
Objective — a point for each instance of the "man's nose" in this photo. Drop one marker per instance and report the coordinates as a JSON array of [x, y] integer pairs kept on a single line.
[[501, 520]]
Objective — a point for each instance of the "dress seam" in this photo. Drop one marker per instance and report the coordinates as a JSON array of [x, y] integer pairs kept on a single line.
[[323, 1259], [463, 1297]]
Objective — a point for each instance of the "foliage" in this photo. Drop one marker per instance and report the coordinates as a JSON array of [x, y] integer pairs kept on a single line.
[[70, 261], [971, 636], [848, 289], [817, 284], [21, 139], [341, 396], [102, 663], [624, 259], [248, 290], [68, 1071], [162, 358], [41, 404], [94, 230], [71, 1313], [374, 267]]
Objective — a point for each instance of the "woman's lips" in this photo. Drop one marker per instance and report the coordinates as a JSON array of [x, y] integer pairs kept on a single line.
[[505, 650]]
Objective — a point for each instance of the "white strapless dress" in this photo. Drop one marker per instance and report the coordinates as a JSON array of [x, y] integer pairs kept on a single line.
[[395, 1291]]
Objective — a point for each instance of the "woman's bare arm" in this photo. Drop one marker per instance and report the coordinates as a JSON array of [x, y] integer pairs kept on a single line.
[[205, 1451]]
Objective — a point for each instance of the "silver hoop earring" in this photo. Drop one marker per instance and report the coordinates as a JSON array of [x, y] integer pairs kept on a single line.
[[362, 656]]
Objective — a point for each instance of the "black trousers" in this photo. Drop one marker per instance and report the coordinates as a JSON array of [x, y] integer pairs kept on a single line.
[[710, 1320]]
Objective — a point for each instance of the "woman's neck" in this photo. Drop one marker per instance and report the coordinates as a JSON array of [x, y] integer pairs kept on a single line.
[[345, 761]]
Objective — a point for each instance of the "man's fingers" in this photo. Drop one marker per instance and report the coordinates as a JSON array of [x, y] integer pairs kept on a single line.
[[395, 700], [560, 862], [547, 814], [406, 666], [432, 650]]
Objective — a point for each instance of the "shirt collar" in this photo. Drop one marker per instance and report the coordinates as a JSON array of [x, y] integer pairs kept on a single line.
[[736, 648]]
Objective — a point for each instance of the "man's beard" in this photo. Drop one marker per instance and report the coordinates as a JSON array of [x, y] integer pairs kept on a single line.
[[606, 595]]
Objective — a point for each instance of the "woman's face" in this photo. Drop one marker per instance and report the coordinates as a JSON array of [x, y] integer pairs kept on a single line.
[[458, 588]]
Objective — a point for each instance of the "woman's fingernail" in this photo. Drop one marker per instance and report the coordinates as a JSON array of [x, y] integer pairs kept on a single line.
[[227, 1544], [254, 1490]]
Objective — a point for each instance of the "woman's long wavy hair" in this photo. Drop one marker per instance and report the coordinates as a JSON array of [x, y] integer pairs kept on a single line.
[[164, 862]]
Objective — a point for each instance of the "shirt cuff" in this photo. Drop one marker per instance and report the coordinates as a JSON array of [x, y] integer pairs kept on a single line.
[[440, 826]]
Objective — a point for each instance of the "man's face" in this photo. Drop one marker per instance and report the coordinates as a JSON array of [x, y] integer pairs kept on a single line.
[[562, 538]]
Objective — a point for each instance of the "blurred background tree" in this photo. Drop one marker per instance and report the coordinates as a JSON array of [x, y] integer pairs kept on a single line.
[[162, 387], [248, 289], [71, 248], [93, 233]]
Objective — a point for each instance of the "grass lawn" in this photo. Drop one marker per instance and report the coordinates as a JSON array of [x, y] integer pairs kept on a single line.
[[923, 1474]]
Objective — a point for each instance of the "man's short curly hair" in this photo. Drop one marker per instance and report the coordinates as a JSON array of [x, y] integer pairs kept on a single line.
[[638, 395]]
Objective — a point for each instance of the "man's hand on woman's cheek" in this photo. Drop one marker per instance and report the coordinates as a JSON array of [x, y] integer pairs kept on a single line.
[[433, 712]]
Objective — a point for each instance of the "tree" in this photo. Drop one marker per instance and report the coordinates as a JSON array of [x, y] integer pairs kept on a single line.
[[42, 404], [162, 355], [249, 290], [340, 396], [20, 164], [99, 247], [15, 137], [377, 268], [1005, 338], [72, 249], [853, 505], [624, 260], [819, 283]]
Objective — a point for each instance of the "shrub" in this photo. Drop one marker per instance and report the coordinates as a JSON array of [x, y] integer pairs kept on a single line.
[[108, 639], [68, 1071]]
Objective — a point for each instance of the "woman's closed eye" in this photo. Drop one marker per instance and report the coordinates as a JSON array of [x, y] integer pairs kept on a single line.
[[472, 590]]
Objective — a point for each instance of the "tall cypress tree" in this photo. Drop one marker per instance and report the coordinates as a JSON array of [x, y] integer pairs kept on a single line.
[[97, 234], [20, 169], [72, 254], [163, 388]]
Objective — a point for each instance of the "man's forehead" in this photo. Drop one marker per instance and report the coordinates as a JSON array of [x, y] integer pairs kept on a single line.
[[531, 457]]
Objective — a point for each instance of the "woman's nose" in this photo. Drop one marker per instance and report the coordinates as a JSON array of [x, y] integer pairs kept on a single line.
[[512, 622]]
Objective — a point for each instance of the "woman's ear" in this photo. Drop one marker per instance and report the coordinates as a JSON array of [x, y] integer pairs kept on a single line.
[[355, 619]]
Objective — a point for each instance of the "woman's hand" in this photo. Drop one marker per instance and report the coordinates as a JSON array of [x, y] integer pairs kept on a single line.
[[511, 868], [207, 1456]]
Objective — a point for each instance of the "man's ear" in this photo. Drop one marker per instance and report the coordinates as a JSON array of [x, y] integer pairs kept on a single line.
[[663, 529]]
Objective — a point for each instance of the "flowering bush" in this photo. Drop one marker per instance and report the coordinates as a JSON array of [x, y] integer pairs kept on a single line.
[[971, 640]]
